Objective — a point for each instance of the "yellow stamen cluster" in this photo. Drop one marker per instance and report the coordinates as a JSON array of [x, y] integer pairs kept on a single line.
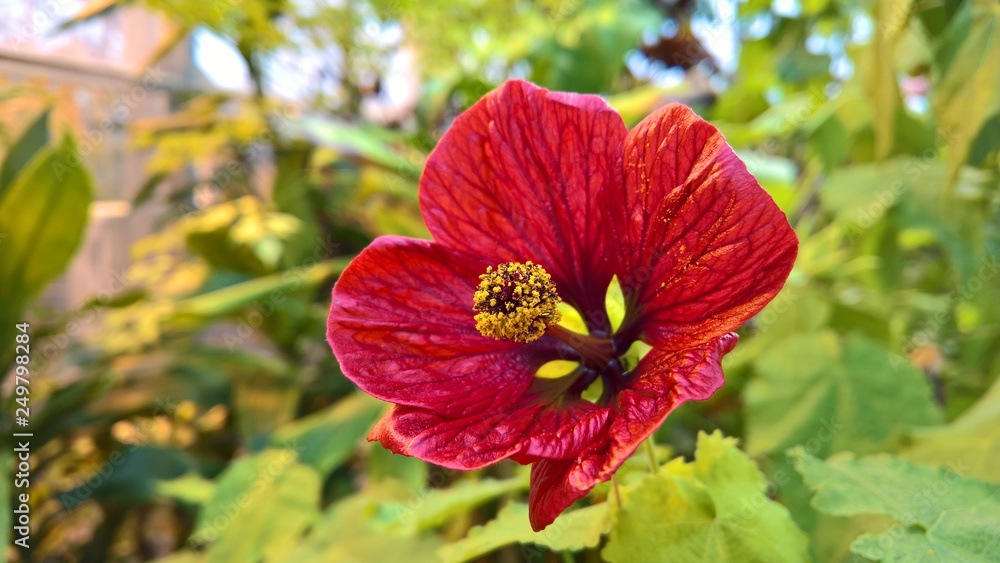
[[516, 301]]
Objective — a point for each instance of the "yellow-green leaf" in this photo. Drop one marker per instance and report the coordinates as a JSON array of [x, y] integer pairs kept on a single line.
[[712, 509], [571, 531]]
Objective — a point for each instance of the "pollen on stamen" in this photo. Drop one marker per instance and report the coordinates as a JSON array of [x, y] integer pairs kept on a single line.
[[516, 301]]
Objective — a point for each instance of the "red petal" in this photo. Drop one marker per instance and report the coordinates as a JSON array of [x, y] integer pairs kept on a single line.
[[660, 383], [401, 325], [517, 178], [534, 427], [703, 246]]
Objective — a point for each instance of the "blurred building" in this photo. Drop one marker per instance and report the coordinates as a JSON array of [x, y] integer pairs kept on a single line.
[[99, 71]]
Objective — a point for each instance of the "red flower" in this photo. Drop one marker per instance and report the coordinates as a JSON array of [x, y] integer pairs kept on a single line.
[[532, 196]]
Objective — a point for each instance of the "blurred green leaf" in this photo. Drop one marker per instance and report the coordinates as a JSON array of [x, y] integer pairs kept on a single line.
[[712, 509], [148, 188], [833, 395], [326, 439], [235, 298], [572, 531], [261, 505], [635, 104], [262, 401], [294, 195], [45, 207], [383, 465], [879, 76], [436, 507], [190, 488], [133, 474], [972, 441], [367, 144], [346, 534], [31, 142], [775, 174], [941, 515], [967, 86]]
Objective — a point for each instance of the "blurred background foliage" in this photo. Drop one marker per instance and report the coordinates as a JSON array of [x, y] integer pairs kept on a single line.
[[197, 414]]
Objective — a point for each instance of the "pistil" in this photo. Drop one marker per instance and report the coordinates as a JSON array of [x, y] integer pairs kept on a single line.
[[599, 352]]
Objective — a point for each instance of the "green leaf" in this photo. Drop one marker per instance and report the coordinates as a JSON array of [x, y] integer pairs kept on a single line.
[[327, 438], [132, 475], [348, 533], [435, 508], [831, 395], [941, 515], [293, 194], [879, 76], [384, 466], [712, 509], [635, 104], [235, 298], [366, 144], [571, 531], [46, 207], [190, 488], [262, 504], [148, 188], [775, 174], [33, 140], [970, 442], [967, 89]]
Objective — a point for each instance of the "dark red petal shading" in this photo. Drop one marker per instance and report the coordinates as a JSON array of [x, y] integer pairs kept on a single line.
[[517, 178], [537, 426], [702, 246], [401, 325], [662, 381]]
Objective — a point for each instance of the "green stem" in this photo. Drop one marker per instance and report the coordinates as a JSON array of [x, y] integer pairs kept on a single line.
[[618, 494], [651, 452]]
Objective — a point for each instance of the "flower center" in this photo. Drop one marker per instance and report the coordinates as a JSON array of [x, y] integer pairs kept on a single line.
[[516, 301]]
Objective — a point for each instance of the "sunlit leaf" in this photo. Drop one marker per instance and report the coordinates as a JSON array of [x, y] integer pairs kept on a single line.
[[45, 207], [571, 531], [260, 507], [190, 488], [346, 533], [436, 507], [712, 509], [327, 438]]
